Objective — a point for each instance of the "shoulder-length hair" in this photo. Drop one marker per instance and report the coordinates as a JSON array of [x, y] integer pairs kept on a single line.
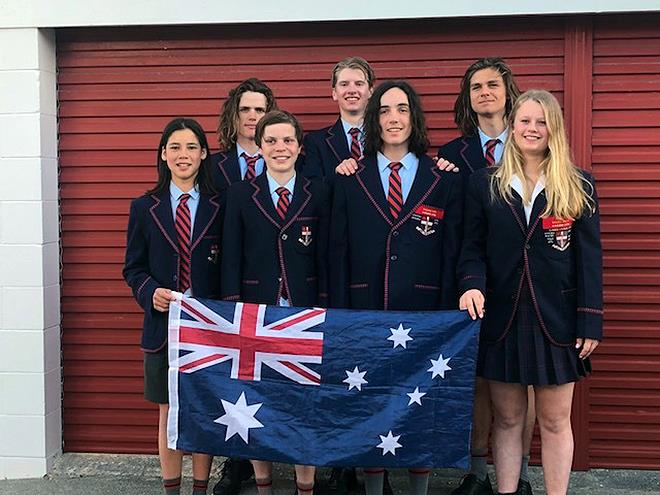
[[418, 142], [567, 191], [227, 130], [203, 180], [464, 116]]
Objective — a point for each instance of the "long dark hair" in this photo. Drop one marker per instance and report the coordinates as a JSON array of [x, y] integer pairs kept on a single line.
[[203, 179], [373, 142], [466, 118]]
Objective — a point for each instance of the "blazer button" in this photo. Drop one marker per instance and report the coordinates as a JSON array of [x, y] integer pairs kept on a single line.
[[395, 233], [279, 279], [394, 257], [174, 278], [284, 237], [528, 247]]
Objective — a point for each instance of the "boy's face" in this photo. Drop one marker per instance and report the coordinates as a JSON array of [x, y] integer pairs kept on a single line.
[[487, 93], [251, 107], [279, 147], [352, 91], [394, 118]]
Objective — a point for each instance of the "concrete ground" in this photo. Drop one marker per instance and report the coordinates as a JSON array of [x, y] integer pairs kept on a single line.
[[90, 474]]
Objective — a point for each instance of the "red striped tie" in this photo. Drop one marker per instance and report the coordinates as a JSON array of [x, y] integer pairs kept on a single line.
[[356, 153], [282, 202], [394, 194], [183, 228], [490, 151], [251, 161]]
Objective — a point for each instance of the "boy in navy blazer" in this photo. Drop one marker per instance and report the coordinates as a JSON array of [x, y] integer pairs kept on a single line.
[[239, 157], [396, 225], [173, 242], [352, 85], [275, 242]]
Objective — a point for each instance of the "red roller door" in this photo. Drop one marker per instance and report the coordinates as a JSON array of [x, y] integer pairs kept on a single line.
[[625, 392]]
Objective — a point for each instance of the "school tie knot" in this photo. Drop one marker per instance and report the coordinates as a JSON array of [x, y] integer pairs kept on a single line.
[[395, 166], [356, 151], [491, 144], [282, 202], [184, 198], [251, 161]]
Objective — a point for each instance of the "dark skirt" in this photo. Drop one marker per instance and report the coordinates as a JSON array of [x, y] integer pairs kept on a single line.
[[156, 366], [526, 356]]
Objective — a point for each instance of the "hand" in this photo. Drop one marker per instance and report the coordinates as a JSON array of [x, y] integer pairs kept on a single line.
[[588, 346], [347, 167], [445, 165], [473, 301], [161, 299]]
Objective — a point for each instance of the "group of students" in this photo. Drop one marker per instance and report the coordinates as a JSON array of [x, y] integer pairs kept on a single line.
[[365, 219]]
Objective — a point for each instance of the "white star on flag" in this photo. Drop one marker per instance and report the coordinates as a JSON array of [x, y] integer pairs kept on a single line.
[[399, 336], [239, 418], [355, 379], [416, 396], [439, 366], [389, 443]]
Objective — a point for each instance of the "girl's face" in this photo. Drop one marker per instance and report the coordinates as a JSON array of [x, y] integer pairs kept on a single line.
[[530, 132], [183, 155]]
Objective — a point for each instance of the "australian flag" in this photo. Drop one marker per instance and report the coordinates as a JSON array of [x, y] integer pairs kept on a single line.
[[319, 386]]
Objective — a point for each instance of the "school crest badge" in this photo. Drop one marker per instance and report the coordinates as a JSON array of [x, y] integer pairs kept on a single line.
[[557, 232], [305, 235], [428, 218]]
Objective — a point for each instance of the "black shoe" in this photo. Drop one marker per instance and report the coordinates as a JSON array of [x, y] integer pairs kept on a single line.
[[234, 472], [387, 488], [341, 481], [471, 485], [524, 488]]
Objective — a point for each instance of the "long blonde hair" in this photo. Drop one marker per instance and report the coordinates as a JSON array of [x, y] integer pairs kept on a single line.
[[568, 193]]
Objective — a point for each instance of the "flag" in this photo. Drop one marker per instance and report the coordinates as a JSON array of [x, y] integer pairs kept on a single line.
[[324, 387]]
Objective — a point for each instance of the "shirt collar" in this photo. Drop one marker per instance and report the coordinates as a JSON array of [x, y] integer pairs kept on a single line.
[[176, 193], [347, 127], [517, 185], [406, 162], [240, 151], [273, 185], [485, 138]]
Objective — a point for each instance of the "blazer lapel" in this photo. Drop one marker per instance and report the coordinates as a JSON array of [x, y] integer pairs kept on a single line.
[[472, 153], [301, 196], [161, 213], [425, 179], [337, 141], [207, 211], [368, 177], [229, 166], [263, 200]]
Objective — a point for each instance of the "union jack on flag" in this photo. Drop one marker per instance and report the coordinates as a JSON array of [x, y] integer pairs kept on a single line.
[[321, 387], [206, 338]]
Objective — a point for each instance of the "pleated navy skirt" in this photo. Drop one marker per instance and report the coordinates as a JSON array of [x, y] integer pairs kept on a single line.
[[526, 356]]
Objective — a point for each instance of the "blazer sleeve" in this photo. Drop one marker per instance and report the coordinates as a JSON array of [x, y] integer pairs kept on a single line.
[[589, 269], [323, 242], [452, 236], [136, 262], [471, 268], [313, 166], [231, 267], [338, 248]]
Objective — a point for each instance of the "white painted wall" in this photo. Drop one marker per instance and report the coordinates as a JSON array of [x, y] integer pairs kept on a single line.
[[30, 376], [61, 13]]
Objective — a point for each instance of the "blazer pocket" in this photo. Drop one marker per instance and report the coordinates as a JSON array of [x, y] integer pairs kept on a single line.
[[426, 287], [358, 286], [250, 282]]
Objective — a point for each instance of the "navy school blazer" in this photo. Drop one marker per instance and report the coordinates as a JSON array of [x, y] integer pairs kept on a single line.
[[560, 260], [466, 153], [262, 254], [405, 264], [225, 168], [152, 257], [324, 150]]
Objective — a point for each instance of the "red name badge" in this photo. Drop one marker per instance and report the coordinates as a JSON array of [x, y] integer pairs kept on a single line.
[[430, 211], [554, 223]]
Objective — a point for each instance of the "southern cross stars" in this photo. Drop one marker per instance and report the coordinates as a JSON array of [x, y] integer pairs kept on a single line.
[[355, 379], [416, 396], [239, 418], [389, 443], [399, 336], [439, 366]]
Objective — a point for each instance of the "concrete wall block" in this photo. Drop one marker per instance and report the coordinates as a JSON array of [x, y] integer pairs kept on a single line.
[[51, 263], [48, 135], [23, 436], [24, 467], [50, 221], [19, 49], [47, 92], [23, 171], [53, 392], [51, 306], [23, 308], [24, 87], [21, 351], [25, 394], [21, 222], [47, 49], [20, 135], [54, 433], [51, 354], [22, 265], [48, 169]]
